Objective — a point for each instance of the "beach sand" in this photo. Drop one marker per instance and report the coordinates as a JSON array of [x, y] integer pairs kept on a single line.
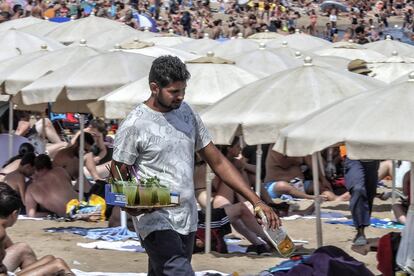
[[64, 245]]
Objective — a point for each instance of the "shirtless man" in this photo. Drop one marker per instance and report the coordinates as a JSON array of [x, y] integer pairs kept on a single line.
[[68, 158], [20, 255], [284, 175], [17, 179], [50, 191]]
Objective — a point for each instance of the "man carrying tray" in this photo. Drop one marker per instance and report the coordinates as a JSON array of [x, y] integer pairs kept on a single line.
[[160, 138]]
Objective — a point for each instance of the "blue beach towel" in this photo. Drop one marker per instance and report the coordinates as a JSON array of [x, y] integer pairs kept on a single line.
[[375, 222], [106, 234]]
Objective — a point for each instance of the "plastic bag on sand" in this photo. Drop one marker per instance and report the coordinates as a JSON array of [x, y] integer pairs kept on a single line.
[[405, 255]]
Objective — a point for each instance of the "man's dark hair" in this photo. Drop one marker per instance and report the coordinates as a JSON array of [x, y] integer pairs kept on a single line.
[[99, 125], [168, 69], [10, 200], [88, 139], [28, 159], [42, 161], [23, 149]]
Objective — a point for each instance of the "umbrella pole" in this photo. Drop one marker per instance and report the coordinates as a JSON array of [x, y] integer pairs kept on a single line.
[[10, 129], [259, 153], [81, 155], [412, 186], [207, 246], [394, 180], [123, 219], [320, 161], [44, 131], [315, 173]]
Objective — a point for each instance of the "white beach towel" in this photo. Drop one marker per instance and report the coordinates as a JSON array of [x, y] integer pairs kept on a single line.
[[24, 217], [324, 215], [129, 245], [135, 246]]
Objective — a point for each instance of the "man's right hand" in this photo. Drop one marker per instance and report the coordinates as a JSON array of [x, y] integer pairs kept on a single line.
[[136, 212]]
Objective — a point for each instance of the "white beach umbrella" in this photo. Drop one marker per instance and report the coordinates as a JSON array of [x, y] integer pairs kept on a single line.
[[374, 125], [260, 109], [19, 23], [211, 80], [108, 39], [198, 46], [392, 68], [264, 62], [168, 40], [9, 65], [286, 49], [75, 30], [14, 79], [234, 46], [71, 87], [157, 51], [327, 61], [388, 46], [118, 104], [300, 41], [41, 28], [349, 50], [265, 36], [14, 43]]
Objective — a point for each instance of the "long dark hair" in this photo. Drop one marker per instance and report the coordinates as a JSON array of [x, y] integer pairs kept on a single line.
[[224, 149], [23, 149]]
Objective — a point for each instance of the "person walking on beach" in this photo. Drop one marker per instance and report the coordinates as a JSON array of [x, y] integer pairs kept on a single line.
[[361, 178], [160, 138]]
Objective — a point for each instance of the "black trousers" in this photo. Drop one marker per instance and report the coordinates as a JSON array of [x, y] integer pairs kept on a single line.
[[361, 179], [169, 253]]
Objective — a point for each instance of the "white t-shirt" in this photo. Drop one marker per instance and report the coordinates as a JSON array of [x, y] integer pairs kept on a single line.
[[332, 18], [163, 145]]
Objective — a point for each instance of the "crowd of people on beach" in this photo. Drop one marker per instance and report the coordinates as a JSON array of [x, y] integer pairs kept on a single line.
[[226, 19]]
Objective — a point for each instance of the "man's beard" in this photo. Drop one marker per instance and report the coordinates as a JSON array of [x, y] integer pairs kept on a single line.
[[171, 106]]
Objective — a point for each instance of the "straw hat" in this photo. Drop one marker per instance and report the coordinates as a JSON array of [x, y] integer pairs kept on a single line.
[[358, 66]]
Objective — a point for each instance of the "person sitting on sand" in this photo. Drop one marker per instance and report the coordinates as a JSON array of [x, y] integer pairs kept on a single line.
[[97, 129], [68, 158], [285, 175], [13, 163], [239, 215], [18, 179], [50, 191], [20, 255]]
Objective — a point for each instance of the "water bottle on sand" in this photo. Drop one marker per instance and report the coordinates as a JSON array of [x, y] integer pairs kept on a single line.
[[278, 237]]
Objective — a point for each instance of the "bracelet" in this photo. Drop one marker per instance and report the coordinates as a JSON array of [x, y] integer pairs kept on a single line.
[[257, 203]]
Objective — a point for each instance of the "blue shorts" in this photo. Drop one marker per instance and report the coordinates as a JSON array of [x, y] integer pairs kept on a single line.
[[271, 187]]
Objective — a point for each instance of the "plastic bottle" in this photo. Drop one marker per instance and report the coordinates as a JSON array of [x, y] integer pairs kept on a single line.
[[278, 237]]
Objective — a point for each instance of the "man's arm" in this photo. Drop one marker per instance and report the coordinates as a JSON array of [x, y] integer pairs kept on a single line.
[[3, 236], [229, 174]]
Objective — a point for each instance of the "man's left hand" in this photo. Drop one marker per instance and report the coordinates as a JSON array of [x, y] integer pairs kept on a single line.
[[273, 221]]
